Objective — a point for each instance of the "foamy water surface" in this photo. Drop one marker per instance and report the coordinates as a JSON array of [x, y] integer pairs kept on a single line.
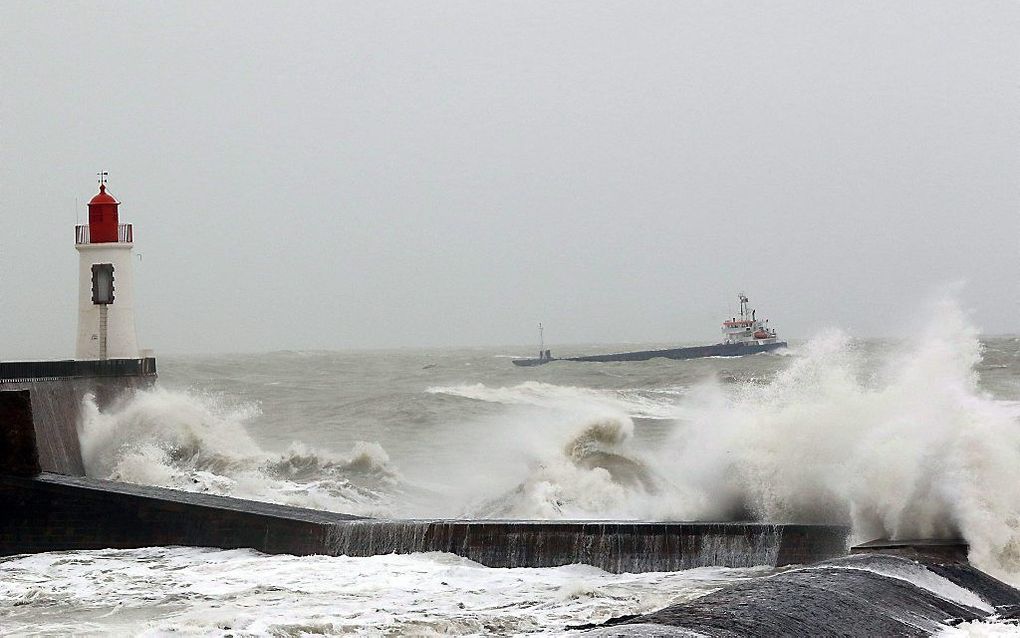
[[241, 592]]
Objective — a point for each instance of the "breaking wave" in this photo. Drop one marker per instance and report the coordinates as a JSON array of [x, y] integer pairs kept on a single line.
[[594, 474], [200, 443], [638, 403]]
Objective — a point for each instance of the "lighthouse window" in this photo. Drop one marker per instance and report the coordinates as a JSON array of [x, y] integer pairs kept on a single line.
[[102, 283]]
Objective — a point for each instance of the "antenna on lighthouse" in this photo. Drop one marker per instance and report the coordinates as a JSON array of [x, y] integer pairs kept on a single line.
[[102, 177]]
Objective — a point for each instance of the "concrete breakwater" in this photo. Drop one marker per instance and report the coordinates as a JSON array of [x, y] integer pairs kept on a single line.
[[51, 512]]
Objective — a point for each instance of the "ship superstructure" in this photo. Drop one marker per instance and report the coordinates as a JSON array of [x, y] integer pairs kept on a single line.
[[747, 328]]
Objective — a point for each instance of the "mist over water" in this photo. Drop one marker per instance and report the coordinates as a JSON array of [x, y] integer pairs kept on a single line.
[[903, 439]]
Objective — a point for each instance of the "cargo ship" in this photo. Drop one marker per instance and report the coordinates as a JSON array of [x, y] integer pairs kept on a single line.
[[743, 334]]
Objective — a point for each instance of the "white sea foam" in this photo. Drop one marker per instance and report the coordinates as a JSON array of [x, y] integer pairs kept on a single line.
[[190, 591], [981, 629]]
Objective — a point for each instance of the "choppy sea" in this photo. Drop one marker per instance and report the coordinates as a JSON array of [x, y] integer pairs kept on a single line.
[[914, 437]]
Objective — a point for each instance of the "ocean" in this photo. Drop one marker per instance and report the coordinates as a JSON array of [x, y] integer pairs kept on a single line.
[[910, 438]]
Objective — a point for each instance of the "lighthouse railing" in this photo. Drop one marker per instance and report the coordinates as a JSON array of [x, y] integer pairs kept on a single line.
[[125, 234]]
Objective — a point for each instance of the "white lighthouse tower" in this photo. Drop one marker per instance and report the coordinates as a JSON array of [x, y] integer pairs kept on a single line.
[[106, 314]]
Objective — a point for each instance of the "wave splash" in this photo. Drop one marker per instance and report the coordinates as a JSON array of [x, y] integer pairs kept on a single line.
[[912, 449], [200, 443], [595, 474]]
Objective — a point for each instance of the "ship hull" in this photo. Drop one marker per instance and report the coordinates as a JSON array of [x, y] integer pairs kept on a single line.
[[694, 352], [530, 362]]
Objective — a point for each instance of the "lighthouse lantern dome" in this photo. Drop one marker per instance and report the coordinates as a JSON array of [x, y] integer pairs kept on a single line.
[[103, 217]]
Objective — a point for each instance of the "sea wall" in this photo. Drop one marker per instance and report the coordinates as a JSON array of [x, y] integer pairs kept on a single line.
[[53, 512], [57, 389]]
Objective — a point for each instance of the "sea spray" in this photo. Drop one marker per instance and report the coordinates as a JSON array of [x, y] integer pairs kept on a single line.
[[198, 442], [913, 448], [913, 451], [593, 473], [164, 426]]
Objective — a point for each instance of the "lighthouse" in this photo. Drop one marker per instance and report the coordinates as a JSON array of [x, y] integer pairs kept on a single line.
[[106, 314]]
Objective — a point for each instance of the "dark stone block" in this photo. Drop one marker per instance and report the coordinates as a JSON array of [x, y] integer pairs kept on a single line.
[[942, 549], [18, 453], [847, 596]]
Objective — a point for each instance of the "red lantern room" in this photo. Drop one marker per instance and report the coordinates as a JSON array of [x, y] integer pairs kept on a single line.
[[103, 221]]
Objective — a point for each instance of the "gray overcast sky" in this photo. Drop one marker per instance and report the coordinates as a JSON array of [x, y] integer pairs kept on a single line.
[[345, 174]]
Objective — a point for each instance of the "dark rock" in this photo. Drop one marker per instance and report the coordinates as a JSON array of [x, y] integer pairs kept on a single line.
[[865, 595]]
